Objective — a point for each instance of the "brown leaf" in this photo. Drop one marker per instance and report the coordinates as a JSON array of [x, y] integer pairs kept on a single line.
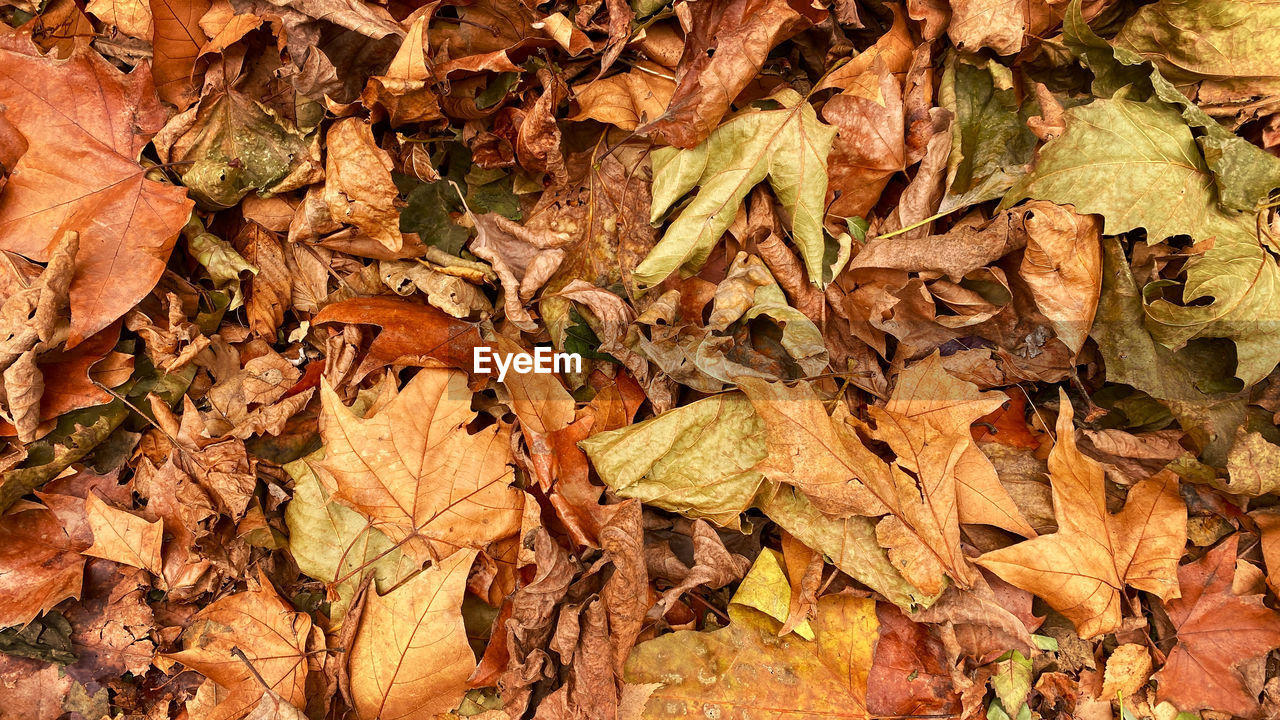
[[1082, 569], [271, 288], [38, 568], [412, 334], [626, 100], [523, 259], [415, 470], [403, 91], [123, 537], [175, 46], [725, 47], [870, 146], [1062, 264], [410, 657], [358, 187], [127, 223], [1217, 631], [267, 631]]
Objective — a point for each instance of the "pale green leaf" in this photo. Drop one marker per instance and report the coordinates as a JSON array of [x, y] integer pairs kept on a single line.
[[335, 544], [787, 146], [1012, 679]]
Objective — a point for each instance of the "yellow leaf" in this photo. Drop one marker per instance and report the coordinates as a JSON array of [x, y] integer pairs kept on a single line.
[[767, 589], [746, 670]]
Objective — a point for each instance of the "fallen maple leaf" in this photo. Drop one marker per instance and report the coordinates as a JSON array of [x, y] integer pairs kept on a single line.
[[410, 659], [81, 174], [1217, 630], [249, 643], [1082, 569], [788, 145], [416, 471]]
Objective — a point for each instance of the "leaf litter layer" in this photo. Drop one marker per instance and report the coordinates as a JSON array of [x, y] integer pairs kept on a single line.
[[929, 359]]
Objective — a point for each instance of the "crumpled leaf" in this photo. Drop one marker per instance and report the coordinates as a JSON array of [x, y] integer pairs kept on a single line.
[[788, 146], [725, 48], [697, 459], [410, 658], [236, 145], [1251, 466], [990, 141], [1082, 569], [358, 187]]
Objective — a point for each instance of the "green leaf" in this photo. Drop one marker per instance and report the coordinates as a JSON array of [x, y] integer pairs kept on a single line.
[[1243, 173], [1116, 158], [1046, 643], [237, 145], [696, 460], [1191, 40], [1012, 679], [1133, 357], [219, 258], [496, 90], [331, 542], [788, 146], [990, 141], [581, 339], [427, 214]]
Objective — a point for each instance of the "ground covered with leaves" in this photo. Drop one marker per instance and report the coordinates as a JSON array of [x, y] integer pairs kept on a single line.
[[928, 359]]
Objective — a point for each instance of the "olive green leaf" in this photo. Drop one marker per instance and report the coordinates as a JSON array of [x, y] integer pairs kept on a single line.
[[990, 141], [1233, 40], [696, 460], [1138, 165], [1243, 173], [787, 145], [1133, 357], [335, 544]]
